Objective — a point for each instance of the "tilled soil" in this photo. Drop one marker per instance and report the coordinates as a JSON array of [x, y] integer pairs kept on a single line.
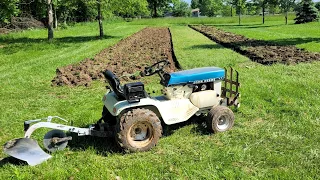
[[124, 59], [260, 51]]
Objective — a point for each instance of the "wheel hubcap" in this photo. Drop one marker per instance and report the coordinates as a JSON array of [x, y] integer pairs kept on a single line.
[[140, 134], [223, 123]]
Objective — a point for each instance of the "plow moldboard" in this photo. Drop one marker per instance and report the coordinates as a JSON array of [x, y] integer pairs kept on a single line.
[[26, 149]]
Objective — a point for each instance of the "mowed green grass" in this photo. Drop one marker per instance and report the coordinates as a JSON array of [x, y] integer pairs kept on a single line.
[[276, 132], [306, 36]]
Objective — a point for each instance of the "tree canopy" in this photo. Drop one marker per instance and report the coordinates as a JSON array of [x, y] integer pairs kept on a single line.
[[86, 10], [8, 8], [317, 5], [180, 8]]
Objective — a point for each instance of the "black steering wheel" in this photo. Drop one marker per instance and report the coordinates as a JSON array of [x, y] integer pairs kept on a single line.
[[155, 68]]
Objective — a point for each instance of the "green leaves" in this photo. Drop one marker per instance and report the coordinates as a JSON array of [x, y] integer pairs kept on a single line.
[[129, 8], [181, 8], [8, 8]]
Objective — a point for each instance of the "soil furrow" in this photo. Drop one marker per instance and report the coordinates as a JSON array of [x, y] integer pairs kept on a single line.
[[124, 59], [260, 51]]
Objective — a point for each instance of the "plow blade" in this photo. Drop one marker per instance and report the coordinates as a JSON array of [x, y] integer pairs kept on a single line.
[[26, 149]]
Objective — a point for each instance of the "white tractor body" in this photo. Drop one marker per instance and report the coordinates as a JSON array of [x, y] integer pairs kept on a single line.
[[177, 105]]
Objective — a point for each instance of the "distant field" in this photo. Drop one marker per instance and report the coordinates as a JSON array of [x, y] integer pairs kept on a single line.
[[269, 19], [276, 133]]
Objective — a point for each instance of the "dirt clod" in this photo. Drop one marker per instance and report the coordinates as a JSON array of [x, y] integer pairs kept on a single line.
[[126, 59], [260, 51]]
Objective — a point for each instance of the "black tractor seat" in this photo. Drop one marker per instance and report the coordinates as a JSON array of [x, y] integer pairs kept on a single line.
[[115, 84]]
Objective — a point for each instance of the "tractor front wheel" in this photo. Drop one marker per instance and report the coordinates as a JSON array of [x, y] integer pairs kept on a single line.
[[220, 118], [138, 130]]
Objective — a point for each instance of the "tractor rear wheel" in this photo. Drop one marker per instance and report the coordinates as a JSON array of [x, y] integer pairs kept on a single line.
[[138, 130], [220, 118]]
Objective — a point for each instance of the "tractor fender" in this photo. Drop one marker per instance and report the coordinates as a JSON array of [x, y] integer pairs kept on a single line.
[[171, 111]]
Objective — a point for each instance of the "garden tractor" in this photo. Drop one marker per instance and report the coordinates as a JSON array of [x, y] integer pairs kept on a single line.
[[135, 118]]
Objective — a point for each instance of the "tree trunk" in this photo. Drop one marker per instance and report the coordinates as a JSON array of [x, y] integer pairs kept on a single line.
[[263, 14], [50, 20], [55, 16], [65, 17], [286, 16], [155, 10], [239, 15], [100, 18]]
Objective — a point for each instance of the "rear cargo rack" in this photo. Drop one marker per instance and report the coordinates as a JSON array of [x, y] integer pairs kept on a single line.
[[230, 88]]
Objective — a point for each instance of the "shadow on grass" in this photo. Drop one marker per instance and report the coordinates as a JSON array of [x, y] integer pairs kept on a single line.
[[102, 145], [107, 145], [205, 46], [195, 120], [295, 41], [13, 161], [247, 26], [277, 42], [67, 39], [14, 45]]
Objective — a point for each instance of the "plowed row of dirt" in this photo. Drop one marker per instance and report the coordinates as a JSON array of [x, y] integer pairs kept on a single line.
[[260, 51], [126, 58]]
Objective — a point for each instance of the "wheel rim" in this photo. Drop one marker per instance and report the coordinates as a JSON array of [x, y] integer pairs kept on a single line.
[[140, 134], [223, 123]]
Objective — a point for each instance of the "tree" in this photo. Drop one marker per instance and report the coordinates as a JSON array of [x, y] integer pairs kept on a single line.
[[273, 6], [8, 9], [154, 5], [129, 8], [251, 8], [100, 18], [210, 7], [50, 20], [65, 9], [195, 4], [317, 5], [231, 4], [240, 4], [124, 8], [306, 12], [262, 4], [285, 6], [181, 8]]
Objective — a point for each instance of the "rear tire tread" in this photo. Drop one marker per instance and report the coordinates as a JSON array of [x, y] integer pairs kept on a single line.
[[130, 118]]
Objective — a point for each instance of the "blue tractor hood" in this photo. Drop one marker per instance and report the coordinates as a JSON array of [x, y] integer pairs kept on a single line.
[[194, 76]]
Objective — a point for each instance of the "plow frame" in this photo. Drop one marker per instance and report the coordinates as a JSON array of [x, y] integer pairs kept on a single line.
[[31, 125], [38, 123]]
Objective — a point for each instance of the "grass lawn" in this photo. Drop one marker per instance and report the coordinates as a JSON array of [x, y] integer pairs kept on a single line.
[[276, 133]]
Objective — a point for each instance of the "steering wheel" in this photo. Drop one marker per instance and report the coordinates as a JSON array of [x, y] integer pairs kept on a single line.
[[155, 68]]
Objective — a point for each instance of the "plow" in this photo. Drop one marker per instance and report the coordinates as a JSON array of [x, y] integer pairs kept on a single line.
[[134, 118]]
